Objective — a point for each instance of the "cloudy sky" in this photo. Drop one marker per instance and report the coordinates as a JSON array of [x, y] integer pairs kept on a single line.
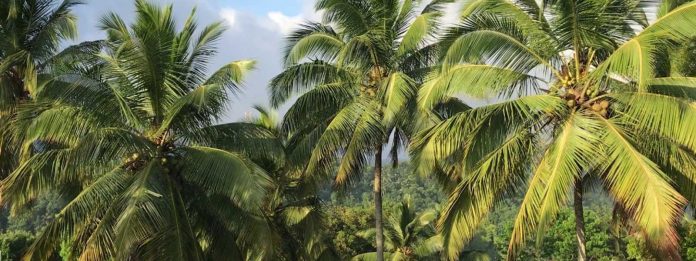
[[256, 29]]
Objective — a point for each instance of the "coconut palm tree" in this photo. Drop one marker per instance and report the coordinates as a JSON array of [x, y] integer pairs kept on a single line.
[[137, 138], [31, 33], [358, 72], [405, 232], [580, 96], [292, 208]]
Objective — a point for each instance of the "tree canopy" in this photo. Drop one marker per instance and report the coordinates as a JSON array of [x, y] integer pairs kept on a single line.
[[531, 130]]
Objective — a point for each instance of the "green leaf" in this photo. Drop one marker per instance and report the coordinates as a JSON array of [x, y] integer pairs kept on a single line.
[[641, 187]]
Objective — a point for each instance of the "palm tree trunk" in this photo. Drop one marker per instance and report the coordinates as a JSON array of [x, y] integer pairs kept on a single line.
[[616, 228], [579, 220], [378, 204]]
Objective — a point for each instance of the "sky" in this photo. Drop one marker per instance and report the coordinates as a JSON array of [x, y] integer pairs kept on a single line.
[[256, 30]]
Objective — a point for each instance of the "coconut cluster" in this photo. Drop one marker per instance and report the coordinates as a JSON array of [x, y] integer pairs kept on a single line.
[[168, 160], [587, 100], [578, 97], [407, 251], [166, 157], [601, 107], [134, 162], [368, 91], [374, 78], [169, 163]]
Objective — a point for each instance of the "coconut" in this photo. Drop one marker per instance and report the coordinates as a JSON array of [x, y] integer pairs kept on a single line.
[[135, 156], [571, 103], [578, 92], [594, 94], [163, 161], [371, 92], [596, 107], [604, 104], [603, 113], [570, 95]]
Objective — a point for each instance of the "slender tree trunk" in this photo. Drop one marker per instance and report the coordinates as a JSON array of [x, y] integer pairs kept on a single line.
[[616, 228], [378, 204], [579, 220]]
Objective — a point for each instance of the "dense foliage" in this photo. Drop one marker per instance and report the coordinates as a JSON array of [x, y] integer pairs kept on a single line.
[[584, 149], [587, 103], [347, 217]]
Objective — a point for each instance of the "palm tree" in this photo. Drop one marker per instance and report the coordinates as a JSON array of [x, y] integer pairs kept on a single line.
[[31, 33], [580, 97], [358, 72], [292, 208], [405, 232], [157, 179]]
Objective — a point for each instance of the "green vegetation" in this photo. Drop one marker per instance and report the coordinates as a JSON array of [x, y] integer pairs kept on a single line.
[[357, 73], [581, 145], [586, 106]]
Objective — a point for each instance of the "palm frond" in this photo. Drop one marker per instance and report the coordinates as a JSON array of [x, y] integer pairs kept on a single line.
[[472, 79], [558, 169], [302, 77], [641, 187], [312, 41], [225, 173], [88, 204]]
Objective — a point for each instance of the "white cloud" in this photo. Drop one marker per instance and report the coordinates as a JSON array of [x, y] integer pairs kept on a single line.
[[229, 15], [285, 24]]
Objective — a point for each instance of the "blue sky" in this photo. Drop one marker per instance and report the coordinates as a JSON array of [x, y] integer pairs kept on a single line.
[[256, 30]]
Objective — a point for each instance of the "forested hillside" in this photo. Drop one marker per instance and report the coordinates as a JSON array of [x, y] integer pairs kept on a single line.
[[349, 213]]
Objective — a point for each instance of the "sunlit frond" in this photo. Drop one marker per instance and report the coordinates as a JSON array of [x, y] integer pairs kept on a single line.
[[474, 80], [641, 187], [554, 177]]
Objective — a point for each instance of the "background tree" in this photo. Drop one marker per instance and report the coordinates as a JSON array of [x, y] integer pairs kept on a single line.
[[31, 34], [293, 209], [358, 71], [410, 235], [156, 178], [584, 100]]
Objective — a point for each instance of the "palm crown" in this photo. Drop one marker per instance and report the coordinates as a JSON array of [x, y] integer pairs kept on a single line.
[[589, 98], [359, 71], [31, 33], [405, 232], [137, 138]]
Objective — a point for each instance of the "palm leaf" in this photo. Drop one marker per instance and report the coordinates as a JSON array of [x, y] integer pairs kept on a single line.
[[641, 187]]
